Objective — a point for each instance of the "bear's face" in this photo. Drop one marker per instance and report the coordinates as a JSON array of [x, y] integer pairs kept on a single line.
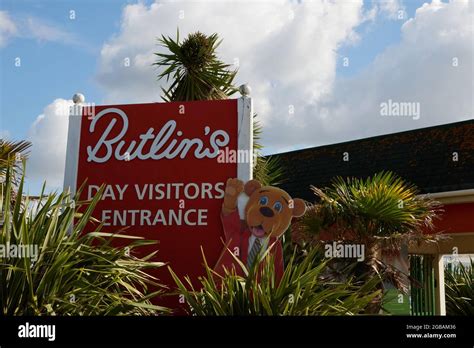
[[269, 210]]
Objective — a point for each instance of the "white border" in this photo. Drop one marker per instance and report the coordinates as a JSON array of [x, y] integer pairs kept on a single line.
[[72, 152], [245, 142]]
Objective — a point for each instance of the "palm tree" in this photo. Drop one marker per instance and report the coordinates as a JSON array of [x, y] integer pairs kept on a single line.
[[196, 73], [382, 212], [11, 155]]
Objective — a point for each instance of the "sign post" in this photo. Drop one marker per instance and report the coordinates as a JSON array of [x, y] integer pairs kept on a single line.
[[164, 167]]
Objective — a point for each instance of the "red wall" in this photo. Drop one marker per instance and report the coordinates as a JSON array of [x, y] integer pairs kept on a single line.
[[457, 218]]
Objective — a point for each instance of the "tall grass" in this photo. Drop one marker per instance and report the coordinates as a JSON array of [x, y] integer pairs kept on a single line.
[[301, 291], [459, 282], [74, 273]]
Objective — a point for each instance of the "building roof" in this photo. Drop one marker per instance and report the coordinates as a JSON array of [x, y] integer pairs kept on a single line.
[[424, 157]]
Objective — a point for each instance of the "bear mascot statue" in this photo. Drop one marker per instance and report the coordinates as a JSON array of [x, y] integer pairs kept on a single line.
[[268, 214]]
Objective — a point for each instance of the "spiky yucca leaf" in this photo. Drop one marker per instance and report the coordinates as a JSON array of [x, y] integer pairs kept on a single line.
[[195, 71], [459, 282], [300, 291], [72, 273]]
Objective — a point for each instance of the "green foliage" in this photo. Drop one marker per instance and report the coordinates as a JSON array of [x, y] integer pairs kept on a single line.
[[74, 273], [197, 74], [459, 283], [301, 291], [10, 153], [383, 205], [267, 170], [382, 212], [195, 70], [257, 134]]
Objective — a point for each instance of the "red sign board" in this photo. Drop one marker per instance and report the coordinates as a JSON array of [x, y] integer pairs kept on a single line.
[[164, 171]]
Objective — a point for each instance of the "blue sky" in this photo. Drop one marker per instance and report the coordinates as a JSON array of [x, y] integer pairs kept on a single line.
[[51, 69], [60, 56], [375, 37]]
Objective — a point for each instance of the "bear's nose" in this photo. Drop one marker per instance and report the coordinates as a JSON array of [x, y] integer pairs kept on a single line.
[[266, 211]]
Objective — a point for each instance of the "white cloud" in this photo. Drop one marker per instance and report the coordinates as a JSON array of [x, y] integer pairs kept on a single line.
[[288, 55], [284, 48], [35, 28], [48, 134], [38, 29], [7, 28], [394, 9], [421, 69]]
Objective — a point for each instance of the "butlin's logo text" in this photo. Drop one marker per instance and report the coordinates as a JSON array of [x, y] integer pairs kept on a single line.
[[159, 144]]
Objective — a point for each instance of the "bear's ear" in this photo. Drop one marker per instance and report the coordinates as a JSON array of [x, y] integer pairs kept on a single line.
[[299, 207], [251, 186]]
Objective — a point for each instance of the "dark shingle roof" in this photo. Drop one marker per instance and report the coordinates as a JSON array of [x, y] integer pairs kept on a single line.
[[423, 157]]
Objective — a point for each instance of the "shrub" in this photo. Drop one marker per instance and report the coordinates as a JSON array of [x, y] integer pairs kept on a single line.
[[459, 282], [74, 273], [301, 291]]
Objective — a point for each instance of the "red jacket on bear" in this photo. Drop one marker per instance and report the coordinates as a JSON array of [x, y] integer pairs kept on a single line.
[[237, 237]]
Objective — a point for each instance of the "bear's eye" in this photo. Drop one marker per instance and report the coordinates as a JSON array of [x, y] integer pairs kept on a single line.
[[277, 206], [263, 200]]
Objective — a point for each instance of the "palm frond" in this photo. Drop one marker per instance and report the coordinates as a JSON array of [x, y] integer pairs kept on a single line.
[[194, 69], [381, 212], [11, 155], [381, 205]]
